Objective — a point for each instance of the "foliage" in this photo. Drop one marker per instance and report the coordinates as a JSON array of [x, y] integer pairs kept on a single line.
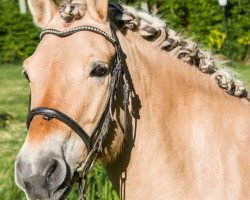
[[18, 35], [216, 39], [13, 105], [245, 39], [201, 19]]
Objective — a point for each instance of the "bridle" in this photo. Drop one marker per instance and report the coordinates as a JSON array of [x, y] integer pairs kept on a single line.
[[95, 140]]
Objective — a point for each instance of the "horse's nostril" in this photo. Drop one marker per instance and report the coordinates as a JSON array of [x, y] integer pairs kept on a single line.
[[51, 169], [55, 173], [42, 178]]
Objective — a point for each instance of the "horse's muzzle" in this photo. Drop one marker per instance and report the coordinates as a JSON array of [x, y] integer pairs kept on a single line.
[[43, 178]]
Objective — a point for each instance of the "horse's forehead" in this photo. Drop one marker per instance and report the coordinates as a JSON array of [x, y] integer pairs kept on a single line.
[[78, 47], [81, 40], [72, 51], [58, 23]]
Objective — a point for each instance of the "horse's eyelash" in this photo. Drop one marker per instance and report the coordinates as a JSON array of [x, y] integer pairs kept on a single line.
[[26, 76]]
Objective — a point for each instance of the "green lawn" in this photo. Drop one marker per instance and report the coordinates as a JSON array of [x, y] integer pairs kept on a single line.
[[13, 103], [13, 109]]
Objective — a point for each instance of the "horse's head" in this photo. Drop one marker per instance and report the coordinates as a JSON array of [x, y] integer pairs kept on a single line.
[[72, 75]]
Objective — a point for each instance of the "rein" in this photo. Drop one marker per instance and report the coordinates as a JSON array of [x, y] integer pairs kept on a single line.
[[93, 141]]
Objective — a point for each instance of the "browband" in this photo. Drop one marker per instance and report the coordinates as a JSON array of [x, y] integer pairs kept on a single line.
[[77, 29]]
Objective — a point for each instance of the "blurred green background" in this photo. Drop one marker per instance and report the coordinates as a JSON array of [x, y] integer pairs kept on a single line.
[[198, 19]]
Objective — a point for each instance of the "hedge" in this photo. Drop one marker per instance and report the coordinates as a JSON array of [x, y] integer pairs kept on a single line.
[[18, 34]]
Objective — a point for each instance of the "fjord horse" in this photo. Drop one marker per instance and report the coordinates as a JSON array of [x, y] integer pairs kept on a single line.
[[186, 139]]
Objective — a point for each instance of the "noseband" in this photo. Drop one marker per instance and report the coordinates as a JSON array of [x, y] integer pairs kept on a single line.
[[95, 140]]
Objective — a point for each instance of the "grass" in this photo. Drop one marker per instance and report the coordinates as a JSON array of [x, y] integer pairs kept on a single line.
[[244, 72], [13, 109], [13, 102]]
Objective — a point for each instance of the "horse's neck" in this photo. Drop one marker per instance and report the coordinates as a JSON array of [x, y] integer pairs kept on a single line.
[[143, 156], [157, 151]]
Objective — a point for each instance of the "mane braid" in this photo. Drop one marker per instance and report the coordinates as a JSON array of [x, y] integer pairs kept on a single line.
[[154, 30]]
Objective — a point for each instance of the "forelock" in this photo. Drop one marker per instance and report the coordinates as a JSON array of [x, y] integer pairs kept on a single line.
[[71, 10]]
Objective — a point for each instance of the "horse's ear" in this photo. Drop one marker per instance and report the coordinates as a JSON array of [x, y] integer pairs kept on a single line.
[[98, 9], [43, 11]]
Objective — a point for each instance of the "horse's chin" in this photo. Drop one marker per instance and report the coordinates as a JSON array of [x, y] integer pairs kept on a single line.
[[64, 190]]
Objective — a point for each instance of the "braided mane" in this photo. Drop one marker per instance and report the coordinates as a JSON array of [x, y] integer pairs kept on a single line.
[[156, 31]]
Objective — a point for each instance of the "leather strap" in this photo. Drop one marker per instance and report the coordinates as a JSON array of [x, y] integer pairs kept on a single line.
[[49, 113]]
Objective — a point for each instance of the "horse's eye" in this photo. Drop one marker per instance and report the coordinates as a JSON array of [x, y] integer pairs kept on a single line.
[[98, 71], [26, 76]]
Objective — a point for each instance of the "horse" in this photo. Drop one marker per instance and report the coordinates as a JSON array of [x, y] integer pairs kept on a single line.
[[167, 121]]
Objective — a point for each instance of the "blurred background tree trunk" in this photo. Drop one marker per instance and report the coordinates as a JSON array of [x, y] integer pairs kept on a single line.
[[22, 6]]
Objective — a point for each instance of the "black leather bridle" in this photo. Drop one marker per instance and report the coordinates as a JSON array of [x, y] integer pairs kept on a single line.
[[93, 141]]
